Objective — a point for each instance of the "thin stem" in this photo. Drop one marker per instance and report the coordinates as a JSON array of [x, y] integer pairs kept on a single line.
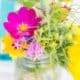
[[37, 71], [48, 21]]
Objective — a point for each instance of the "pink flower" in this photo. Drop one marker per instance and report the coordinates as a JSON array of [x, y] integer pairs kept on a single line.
[[35, 50], [22, 23]]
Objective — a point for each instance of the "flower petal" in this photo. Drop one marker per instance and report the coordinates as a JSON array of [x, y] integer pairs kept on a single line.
[[11, 29], [32, 13], [22, 11], [35, 22], [12, 17], [8, 26], [23, 14]]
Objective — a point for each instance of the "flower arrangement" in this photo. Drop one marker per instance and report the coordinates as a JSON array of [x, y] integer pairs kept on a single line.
[[38, 29], [41, 28]]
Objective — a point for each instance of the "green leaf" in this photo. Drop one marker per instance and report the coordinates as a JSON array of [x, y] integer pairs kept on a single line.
[[28, 3]]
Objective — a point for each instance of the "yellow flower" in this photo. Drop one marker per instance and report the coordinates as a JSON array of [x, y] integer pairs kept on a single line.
[[74, 66], [67, 1], [74, 54], [8, 48]]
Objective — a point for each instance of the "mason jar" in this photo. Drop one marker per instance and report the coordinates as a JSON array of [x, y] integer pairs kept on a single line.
[[27, 69]]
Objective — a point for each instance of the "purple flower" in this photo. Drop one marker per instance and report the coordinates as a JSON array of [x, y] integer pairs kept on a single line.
[[35, 50]]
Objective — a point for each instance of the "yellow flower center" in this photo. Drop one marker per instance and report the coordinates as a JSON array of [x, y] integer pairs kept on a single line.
[[23, 27]]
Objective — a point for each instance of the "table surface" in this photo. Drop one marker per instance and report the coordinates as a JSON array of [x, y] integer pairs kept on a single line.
[[7, 70]]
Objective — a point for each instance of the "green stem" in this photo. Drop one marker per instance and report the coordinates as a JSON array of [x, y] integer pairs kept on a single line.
[[48, 21], [37, 71], [53, 66]]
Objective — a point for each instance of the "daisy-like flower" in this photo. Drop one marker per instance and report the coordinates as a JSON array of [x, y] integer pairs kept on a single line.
[[35, 51], [22, 23], [12, 47]]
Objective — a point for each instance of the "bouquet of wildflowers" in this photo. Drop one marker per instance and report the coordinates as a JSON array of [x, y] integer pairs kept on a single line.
[[40, 28]]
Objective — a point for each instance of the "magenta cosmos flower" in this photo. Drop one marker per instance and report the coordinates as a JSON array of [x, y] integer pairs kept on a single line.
[[22, 23]]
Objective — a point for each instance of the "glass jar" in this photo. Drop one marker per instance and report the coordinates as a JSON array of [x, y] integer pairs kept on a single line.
[[27, 69]]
